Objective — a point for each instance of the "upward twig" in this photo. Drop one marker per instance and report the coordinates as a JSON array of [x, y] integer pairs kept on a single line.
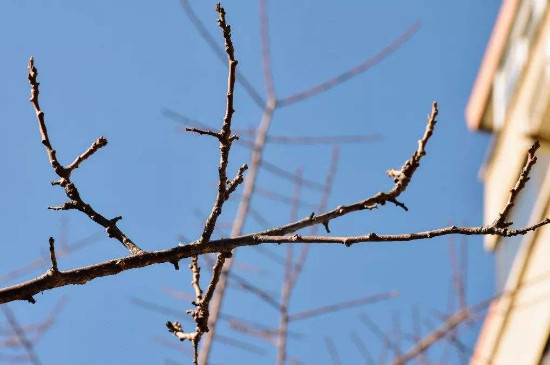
[[201, 313], [244, 207], [225, 187], [219, 52], [64, 173]]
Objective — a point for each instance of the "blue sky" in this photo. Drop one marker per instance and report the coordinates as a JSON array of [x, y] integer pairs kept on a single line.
[[110, 68]]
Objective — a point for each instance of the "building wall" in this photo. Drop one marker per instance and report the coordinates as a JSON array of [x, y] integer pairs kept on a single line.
[[517, 327]]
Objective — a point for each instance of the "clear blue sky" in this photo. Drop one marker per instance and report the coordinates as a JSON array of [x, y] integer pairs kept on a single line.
[[109, 68]]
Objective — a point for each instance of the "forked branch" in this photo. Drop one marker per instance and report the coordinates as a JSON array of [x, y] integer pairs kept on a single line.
[[25, 290], [54, 278], [64, 173]]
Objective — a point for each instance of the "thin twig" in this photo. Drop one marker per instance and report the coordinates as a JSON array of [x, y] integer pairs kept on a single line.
[[396, 334], [240, 219], [196, 271], [201, 313], [342, 305], [273, 195], [287, 276], [433, 337], [219, 52], [100, 142], [37, 329], [345, 76], [25, 290], [33, 358], [52, 255], [417, 333], [64, 173], [266, 52], [253, 289], [377, 331], [520, 184], [333, 353], [266, 165], [327, 190], [362, 348], [266, 335], [322, 140], [224, 135]]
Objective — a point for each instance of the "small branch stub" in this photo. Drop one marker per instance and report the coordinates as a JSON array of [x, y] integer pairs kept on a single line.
[[52, 256]]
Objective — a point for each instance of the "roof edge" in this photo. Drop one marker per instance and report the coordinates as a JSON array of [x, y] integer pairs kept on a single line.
[[489, 65]]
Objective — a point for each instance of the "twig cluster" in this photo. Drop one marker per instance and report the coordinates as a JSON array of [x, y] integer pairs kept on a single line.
[[64, 173], [206, 310]]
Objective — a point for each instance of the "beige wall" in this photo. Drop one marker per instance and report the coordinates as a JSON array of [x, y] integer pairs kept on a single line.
[[517, 326]]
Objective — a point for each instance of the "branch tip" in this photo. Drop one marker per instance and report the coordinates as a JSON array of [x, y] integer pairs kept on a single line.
[[325, 224], [53, 259], [523, 178]]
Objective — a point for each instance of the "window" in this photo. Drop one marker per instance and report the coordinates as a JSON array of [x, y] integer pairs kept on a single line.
[[514, 58]]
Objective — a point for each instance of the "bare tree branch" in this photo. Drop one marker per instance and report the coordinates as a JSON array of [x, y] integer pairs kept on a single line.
[[327, 190], [52, 255], [266, 165], [33, 358], [201, 314], [266, 335], [266, 52], [362, 348], [242, 212], [100, 142], [224, 135], [287, 276], [520, 184], [40, 262], [375, 329], [433, 337], [24, 291], [206, 312], [345, 76], [333, 353], [219, 52], [341, 306], [64, 173]]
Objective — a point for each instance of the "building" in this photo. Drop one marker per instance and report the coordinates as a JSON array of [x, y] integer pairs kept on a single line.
[[511, 100]]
